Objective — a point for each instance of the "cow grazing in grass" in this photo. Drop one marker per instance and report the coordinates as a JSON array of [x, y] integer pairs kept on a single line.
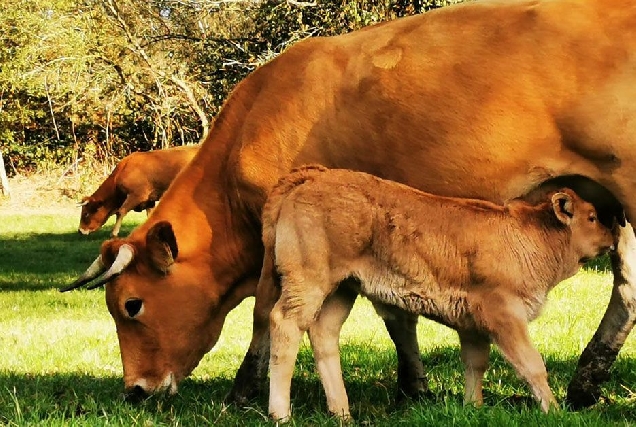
[[137, 183], [486, 99], [480, 268]]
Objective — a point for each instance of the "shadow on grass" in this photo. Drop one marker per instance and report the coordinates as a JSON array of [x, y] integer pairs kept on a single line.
[[601, 264], [49, 399], [370, 382], [33, 261]]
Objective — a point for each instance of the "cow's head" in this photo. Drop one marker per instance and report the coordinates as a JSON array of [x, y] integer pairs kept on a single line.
[[589, 237], [94, 214], [165, 309]]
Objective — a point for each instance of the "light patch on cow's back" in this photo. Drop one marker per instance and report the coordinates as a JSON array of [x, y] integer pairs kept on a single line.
[[387, 57]]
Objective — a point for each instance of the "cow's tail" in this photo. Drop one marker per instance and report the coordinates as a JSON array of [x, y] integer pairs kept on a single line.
[[278, 194]]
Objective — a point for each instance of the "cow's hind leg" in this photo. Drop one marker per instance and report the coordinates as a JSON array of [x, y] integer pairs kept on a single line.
[[599, 355], [251, 378], [402, 328], [325, 336], [475, 353]]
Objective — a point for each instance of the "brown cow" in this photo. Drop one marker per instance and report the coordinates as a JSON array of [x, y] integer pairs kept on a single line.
[[479, 268], [486, 99], [137, 183]]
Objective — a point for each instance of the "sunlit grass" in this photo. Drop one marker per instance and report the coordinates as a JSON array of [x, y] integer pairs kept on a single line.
[[59, 357]]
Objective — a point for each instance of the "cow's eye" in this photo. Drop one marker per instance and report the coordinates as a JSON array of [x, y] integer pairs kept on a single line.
[[134, 307], [592, 218]]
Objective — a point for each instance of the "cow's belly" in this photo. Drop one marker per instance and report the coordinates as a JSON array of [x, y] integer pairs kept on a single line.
[[444, 169]]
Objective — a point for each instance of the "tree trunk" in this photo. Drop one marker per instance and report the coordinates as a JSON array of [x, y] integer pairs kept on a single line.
[[3, 178]]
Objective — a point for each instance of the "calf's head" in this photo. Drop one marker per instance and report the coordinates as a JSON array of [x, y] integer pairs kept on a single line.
[[589, 237]]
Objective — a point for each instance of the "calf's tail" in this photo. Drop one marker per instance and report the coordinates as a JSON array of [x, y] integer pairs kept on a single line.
[[277, 196]]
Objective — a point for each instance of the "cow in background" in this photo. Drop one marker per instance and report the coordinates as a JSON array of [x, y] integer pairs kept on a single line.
[[137, 183]]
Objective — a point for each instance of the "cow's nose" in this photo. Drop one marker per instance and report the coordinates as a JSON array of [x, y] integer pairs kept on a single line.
[[135, 394], [82, 231]]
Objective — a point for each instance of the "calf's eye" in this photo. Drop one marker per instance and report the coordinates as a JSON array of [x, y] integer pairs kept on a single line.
[[133, 306]]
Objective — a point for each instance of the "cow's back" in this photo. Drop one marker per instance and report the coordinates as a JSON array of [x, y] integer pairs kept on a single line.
[[432, 100], [152, 172]]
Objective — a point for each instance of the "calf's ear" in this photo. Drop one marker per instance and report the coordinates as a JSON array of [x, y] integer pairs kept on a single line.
[[563, 207], [162, 246]]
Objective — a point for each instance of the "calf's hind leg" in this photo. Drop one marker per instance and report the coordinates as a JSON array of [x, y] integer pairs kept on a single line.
[[325, 342], [475, 353], [292, 315]]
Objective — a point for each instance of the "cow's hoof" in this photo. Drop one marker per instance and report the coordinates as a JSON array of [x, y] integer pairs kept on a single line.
[[580, 398], [135, 395], [403, 397], [241, 398]]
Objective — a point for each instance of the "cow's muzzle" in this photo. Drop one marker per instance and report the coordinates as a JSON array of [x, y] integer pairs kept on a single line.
[[135, 394], [141, 390]]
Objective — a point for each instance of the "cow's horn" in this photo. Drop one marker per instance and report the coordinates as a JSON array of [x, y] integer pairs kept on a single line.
[[95, 269], [123, 259], [81, 203]]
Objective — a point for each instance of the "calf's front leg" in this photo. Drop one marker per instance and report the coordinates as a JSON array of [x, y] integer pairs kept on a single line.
[[513, 340], [620, 316]]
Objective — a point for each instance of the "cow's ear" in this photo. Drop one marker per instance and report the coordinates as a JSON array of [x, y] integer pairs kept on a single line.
[[563, 206], [162, 246]]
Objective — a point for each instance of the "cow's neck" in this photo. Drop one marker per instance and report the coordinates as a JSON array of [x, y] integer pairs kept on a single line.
[[212, 229]]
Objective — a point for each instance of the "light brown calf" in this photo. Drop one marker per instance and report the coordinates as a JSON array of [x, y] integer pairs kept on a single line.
[[477, 267]]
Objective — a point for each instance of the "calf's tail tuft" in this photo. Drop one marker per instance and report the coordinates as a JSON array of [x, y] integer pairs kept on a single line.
[[285, 185]]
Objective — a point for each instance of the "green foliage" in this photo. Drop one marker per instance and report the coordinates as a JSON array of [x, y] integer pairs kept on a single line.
[[130, 75]]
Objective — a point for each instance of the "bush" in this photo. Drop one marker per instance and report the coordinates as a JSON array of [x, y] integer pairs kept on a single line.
[[133, 75]]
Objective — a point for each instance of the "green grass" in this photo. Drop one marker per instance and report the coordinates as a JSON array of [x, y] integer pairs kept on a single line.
[[59, 357]]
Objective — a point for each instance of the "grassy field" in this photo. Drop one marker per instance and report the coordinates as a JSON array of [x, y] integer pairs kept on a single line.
[[59, 357]]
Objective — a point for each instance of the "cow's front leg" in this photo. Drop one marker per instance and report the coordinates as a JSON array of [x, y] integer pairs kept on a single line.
[[128, 205], [402, 328], [251, 378], [599, 355]]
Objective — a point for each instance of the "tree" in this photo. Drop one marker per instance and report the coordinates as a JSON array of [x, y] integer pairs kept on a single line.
[[114, 76]]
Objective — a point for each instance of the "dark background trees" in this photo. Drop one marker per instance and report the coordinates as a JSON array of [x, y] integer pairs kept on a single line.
[[99, 79]]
